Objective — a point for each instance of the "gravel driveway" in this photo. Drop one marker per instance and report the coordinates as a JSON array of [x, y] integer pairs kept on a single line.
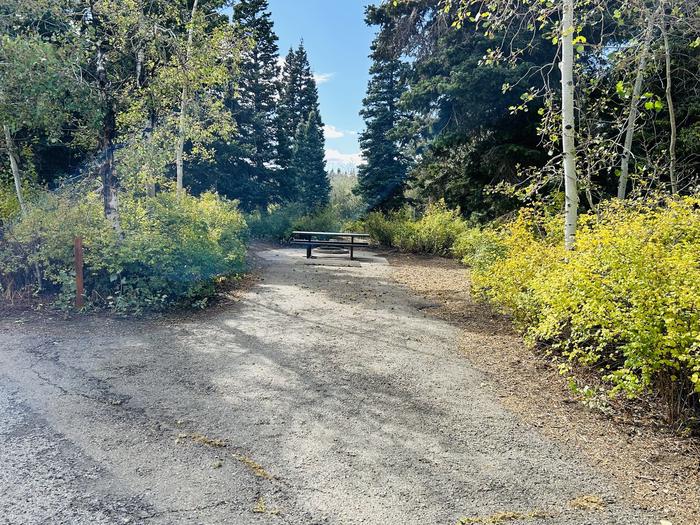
[[325, 394]]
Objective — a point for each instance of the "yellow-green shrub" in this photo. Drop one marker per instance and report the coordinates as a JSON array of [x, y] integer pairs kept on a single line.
[[627, 299], [479, 248], [386, 229], [434, 232]]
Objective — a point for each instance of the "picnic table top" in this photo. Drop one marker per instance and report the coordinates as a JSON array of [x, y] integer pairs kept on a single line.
[[332, 234]]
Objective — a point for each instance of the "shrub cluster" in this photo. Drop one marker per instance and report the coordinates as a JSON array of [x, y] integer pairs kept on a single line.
[[171, 249], [434, 232], [626, 300], [277, 222]]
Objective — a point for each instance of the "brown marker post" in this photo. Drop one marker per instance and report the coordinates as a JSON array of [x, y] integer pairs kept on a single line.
[[79, 286]]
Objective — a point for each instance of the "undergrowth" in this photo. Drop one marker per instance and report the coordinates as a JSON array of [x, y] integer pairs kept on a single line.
[[625, 301]]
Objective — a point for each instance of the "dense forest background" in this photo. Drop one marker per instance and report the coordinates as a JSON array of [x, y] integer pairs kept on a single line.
[[139, 84], [464, 110]]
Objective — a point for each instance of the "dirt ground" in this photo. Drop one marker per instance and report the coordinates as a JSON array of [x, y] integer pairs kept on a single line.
[[629, 441], [324, 393]]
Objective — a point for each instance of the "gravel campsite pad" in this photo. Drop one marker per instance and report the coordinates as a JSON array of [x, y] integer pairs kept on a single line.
[[325, 393]]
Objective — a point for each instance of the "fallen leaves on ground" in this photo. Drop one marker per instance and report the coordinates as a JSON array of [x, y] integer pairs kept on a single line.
[[658, 469]]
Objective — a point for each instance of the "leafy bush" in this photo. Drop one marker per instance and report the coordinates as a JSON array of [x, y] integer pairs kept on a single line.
[[626, 300], [385, 229], [479, 248], [326, 219], [275, 223], [9, 206], [278, 222], [171, 251], [435, 232]]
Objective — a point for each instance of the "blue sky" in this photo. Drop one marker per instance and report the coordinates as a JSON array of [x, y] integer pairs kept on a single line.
[[337, 41]]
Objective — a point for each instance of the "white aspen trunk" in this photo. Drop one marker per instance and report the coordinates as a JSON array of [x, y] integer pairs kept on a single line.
[[14, 165], [671, 116], [634, 108], [150, 183], [180, 149], [107, 170], [568, 124]]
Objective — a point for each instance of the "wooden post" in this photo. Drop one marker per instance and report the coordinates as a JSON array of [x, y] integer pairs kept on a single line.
[[79, 286]]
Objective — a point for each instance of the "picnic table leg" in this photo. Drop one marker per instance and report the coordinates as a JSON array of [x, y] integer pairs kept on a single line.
[[308, 251], [352, 249]]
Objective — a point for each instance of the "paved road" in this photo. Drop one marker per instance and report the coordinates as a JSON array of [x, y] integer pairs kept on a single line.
[[325, 395]]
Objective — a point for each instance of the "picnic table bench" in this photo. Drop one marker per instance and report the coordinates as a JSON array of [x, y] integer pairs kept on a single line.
[[332, 239]]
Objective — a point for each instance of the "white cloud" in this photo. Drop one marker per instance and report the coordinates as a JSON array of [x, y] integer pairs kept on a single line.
[[322, 78], [335, 158], [331, 132]]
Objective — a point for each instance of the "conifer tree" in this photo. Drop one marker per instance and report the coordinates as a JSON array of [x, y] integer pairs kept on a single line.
[[309, 164], [381, 178], [287, 123], [300, 132], [252, 176]]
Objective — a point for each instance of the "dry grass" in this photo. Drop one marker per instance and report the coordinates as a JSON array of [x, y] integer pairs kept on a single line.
[[658, 469], [255, 468], [503, 517]]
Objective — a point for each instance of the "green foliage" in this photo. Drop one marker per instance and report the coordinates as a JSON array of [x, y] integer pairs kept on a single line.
[[435, 232], [382, 176], [478, 248], [626, 300], [324, 219], [244, 166], [172, 250], [275, 223], [9, 205], [384, 228], [309, 165], [346, 202], [300, 139]]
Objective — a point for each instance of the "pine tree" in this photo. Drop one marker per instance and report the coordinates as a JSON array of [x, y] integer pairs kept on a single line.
[[381, 178], [300, 132], [252, 176], [309, 164], [287, 122]]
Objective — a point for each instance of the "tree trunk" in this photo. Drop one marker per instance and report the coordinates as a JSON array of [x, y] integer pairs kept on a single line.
[[634, 107], [568, 124], [671, 116], [179, 152], [14, 165], [150, 183], [107, 172]]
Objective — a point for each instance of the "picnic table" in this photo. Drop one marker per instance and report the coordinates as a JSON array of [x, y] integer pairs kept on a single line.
[[332, 239]]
